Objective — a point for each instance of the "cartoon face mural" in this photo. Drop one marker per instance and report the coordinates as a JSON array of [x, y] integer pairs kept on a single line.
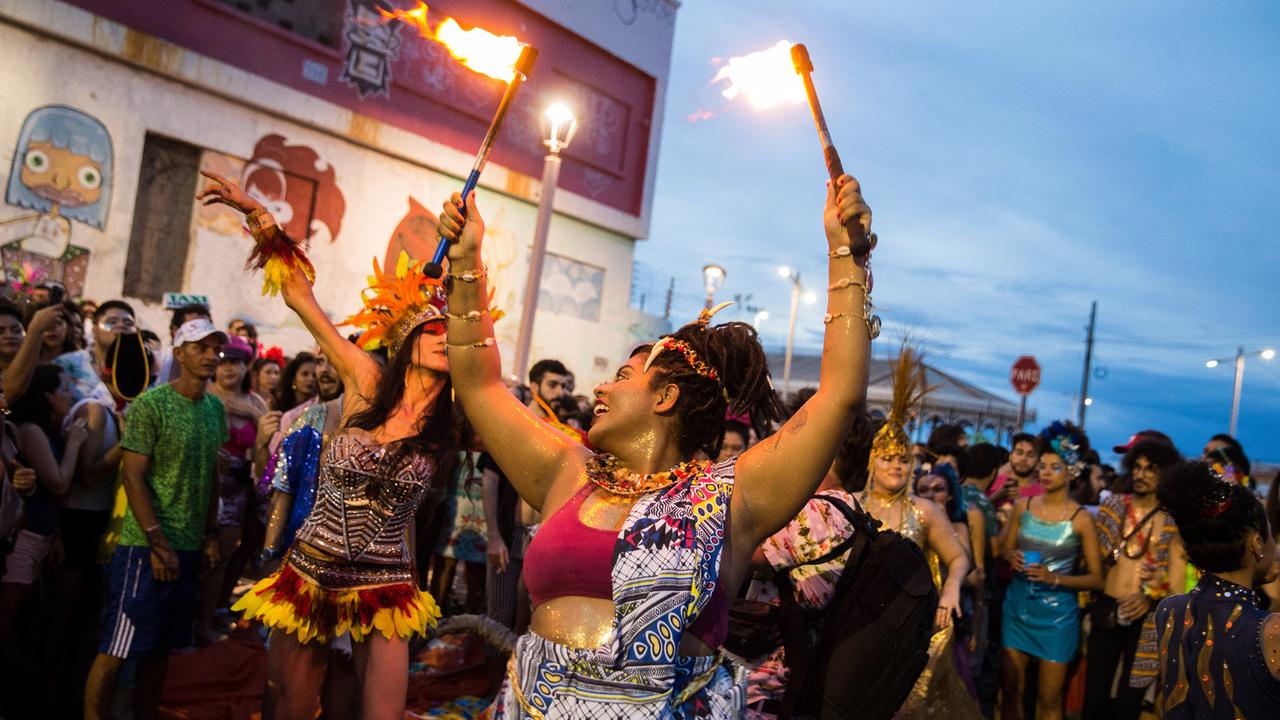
[[299, 188], [62, 169]]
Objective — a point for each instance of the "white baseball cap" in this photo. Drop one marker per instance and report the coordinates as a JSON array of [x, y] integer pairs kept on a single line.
[[197, 330]]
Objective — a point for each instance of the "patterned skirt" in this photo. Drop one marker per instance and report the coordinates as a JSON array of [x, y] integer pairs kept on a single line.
[[318, 600], [549, 681]]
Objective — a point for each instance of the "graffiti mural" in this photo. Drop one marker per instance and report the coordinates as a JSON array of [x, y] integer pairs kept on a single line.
[[415, 235], [297, 186], [571, 288], [62, 169], [372, 44]]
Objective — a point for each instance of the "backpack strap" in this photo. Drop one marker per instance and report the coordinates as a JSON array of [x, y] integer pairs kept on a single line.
[[800, 655]]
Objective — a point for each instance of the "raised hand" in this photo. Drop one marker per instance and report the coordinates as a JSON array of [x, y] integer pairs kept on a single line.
[[844, 202], [463, 232], [226, 192]]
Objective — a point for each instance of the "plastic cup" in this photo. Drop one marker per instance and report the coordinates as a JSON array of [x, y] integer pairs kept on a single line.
[[1031, 557]]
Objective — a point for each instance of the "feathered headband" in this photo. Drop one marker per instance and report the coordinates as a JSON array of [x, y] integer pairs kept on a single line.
[[396, 303], [1065, 441], [669, 342], [909, 389]]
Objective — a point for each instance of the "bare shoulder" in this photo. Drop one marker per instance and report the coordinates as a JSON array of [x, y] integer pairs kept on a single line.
[[1271, 643], [932, 512], [1081, 521]]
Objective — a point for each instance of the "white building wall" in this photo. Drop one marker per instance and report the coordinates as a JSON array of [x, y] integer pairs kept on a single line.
[[132, 101]]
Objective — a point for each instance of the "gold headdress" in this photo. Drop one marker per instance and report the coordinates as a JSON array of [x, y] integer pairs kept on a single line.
[[909, 388], [396, 303]]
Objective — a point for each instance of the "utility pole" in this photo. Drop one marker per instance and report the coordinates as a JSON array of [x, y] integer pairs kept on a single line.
[[1088, 365], [671, 290]]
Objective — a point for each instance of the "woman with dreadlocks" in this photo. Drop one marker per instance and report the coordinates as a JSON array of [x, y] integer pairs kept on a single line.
[[642, 547], [349, 568]]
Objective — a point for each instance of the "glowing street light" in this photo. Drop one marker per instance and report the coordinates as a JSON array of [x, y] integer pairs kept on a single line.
[[560, 124], [797, 290], [712, 279], [1265, 354]]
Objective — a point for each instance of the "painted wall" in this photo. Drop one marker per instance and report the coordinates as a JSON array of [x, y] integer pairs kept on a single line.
[[391, 75], [354, 202]]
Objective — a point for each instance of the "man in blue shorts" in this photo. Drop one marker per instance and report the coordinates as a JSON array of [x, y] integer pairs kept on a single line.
[[171, 441]]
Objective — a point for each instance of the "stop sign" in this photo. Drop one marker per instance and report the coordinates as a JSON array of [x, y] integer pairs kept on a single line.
[[1025, 375]]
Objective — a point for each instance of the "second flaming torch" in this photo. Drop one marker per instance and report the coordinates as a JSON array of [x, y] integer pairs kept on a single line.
[[859, 243], [523, 66]]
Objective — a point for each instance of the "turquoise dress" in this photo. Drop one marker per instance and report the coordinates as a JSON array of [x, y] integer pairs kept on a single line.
[[1040, 619]]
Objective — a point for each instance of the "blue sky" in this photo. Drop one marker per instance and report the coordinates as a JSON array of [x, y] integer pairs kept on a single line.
[[1021, 161]]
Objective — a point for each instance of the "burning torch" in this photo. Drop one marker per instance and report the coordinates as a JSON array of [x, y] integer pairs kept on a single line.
[[523, 66], [487, 54], [859, 243]]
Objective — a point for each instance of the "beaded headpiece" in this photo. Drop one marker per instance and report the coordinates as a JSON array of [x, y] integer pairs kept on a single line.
[[396, 303], [1065, 440], [909, 388], [669, 342]]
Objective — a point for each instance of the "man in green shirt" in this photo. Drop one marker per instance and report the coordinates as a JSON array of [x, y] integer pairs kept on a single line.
[[171, 441]]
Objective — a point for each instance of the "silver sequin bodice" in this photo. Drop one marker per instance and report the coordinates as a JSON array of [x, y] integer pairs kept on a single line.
[[366, 497]]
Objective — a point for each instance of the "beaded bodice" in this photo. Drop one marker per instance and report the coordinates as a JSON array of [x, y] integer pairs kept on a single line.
[[366, 497]]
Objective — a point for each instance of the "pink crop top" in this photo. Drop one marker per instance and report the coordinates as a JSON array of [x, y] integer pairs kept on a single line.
[[569, 557]]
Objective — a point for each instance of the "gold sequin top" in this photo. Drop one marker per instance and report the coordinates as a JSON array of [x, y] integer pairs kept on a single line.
[[367, 495]]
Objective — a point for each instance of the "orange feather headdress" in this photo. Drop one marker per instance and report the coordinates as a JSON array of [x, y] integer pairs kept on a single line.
[[395, 303]]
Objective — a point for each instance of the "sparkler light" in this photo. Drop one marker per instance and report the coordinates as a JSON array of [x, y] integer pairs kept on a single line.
[[763, 79], [501, 57]]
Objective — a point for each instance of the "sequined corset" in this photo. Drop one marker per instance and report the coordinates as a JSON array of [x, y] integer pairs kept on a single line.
[[366, 497]]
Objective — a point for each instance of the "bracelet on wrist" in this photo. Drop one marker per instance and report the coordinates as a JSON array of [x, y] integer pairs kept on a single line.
[[259, 220], [487, 342], [471, 276], [473, 316]]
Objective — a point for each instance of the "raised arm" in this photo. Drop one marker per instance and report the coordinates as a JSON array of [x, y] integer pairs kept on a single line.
[[17, 377], [777, 476], [531, 453], [944, 541], [356, 367]]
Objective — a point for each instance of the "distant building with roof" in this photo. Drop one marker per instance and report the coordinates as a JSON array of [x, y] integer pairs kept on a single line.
[[953, 401]]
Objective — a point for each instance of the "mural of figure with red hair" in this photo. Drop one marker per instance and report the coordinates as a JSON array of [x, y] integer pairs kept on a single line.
[[297, 186]]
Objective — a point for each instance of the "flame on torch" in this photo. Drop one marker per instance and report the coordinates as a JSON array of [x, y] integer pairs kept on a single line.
[[477, 48], [764, 79]]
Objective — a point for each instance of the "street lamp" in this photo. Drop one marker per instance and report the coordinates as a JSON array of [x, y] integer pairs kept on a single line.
[[760, 316], [560, 125], [797, 290], [712, 278], [1265, 354]]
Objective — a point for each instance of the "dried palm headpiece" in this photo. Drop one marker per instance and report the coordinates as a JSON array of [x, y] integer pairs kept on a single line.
[[909, 389]]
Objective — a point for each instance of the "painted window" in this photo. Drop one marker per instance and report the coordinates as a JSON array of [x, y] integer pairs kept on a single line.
[[161, 234]]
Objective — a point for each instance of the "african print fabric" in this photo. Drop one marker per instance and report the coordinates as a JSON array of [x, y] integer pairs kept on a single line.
[[666, 565]]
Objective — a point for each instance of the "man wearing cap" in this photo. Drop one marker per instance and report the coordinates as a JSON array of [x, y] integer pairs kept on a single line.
[[1142, 563], [171, 441]]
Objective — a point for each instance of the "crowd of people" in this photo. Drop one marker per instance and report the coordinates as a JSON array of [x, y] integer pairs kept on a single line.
[[679, 543]]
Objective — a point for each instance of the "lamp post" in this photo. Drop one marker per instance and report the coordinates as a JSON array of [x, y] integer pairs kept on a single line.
[[560, 125], [712, 278], [760, 316], [1266, 354], [796, 291]]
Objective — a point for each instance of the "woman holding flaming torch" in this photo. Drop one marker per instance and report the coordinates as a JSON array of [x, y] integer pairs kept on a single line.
[[643, 546], [350, 569]]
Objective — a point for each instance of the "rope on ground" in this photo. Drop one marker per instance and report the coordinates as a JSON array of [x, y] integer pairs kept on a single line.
[[497, 635]]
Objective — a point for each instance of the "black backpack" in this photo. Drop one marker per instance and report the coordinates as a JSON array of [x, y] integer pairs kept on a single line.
[[874, 639]]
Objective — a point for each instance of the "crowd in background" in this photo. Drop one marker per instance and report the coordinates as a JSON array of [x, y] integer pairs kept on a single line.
[[1048, 563]]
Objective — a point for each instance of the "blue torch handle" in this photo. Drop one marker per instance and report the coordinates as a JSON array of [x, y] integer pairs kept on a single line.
[[443, 248]]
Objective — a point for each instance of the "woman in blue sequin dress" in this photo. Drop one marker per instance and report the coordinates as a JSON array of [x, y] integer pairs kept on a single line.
[[1048, 540]]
